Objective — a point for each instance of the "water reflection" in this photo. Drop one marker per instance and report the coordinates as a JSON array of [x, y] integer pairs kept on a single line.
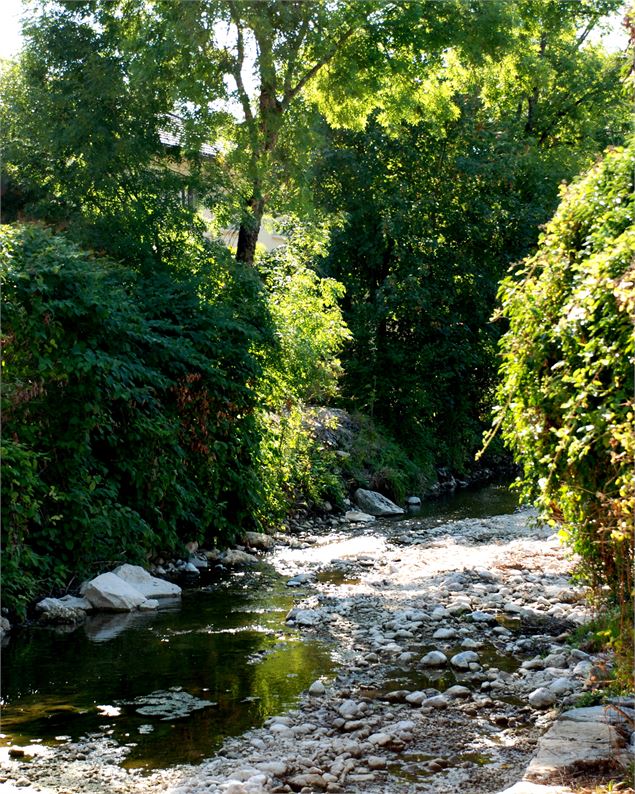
[[228, 644]]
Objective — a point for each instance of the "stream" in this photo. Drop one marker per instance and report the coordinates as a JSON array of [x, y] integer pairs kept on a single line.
[[225, 645]]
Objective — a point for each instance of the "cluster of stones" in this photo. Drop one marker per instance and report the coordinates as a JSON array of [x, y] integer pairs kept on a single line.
[[437, 663], [131, 588], [125, 589]]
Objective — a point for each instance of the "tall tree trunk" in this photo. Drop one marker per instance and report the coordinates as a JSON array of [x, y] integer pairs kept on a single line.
[[249, 230]]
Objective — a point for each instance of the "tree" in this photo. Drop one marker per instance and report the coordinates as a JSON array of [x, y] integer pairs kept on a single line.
[[436, 212], [127, 405], [271, 61]]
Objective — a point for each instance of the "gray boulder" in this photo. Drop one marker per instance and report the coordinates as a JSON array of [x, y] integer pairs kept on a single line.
[[433, 659], [48, 605], [357, 515], [59, 613], [464, 659], [375, 504], [147, 585], [571, 746], [109, 591], [258, 540], [236, 557], [542, 698]]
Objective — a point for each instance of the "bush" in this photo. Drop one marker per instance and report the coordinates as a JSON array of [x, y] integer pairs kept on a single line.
[[567, 390], [308, 326], [300, 368], [128, 417]]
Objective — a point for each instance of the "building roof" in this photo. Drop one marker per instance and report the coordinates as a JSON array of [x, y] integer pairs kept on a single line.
[[174, 138]]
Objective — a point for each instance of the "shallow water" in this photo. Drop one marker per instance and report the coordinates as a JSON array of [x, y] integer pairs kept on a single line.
[[225, 642]]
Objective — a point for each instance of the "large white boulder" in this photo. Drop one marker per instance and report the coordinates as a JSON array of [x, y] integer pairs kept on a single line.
[[375, 504], [147, 585], [111, 592], [569, 746]]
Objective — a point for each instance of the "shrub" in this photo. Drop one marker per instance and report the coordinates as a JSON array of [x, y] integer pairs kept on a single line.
[[301, 367], [127, 413], [567, 390]]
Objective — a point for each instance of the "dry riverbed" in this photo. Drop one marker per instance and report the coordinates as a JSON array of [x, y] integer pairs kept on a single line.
[[453, 652]]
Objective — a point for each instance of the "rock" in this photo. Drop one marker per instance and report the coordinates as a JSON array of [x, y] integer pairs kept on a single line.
[[470, 644], [433, 659], [561, 686], [526, 787], [309, 781], [406, 657], [235, 557], [192, 546], [357, 515], [348, 709], [583, 668], [375, 504], [189, 567], [68, 601], [303, 617], [109, 591], [482, 617], [380, 739], [199, 561], [555, 660], [611, 715], [275, 768], [376, 762], [5, 626], [436, 702], [463, 660], [149, 605], [457, 691], [258, 540], [317, 688], [444, 634], [457, 608], [147, 585], [416, 698], [541, 698], [572, 746], [301, 578], [22, 782], [55, 611], [413, 501]]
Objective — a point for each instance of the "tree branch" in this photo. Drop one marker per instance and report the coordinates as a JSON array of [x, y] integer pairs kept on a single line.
[[237, 66], [295, 49], [293, 92]]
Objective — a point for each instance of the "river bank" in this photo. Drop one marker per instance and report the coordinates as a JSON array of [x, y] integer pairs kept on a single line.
[[452, 641]]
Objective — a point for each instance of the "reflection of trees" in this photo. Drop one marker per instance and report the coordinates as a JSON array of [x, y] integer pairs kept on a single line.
[[50, 679]]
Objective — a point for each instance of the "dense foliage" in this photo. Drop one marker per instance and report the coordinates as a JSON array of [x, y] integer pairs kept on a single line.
[[157, 391], [300, 371], [435, 212], [566, 397], [127, 415]]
